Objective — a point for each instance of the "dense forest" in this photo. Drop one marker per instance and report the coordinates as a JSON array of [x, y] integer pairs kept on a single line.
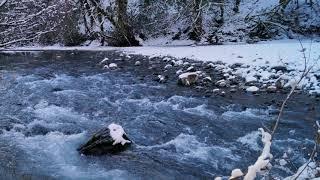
[[132, 22]]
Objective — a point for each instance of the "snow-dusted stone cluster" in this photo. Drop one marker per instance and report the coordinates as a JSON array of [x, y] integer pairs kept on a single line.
[[271, 67], [106, 65], [110, 140]]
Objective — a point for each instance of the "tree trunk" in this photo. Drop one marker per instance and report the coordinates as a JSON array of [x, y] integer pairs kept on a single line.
[[146, 3], [197, 30], [125, 31], [236, 6]]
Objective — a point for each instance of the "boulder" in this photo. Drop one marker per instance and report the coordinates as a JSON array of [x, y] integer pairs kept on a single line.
[[187, 79], [110, 140]]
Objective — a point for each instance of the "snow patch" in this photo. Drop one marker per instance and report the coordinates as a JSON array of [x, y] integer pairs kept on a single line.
[[117, 132]]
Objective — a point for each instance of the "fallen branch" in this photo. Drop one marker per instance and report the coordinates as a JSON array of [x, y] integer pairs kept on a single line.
[[264, 159]]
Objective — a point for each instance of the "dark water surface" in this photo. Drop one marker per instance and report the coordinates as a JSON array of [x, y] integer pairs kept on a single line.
[[51, 102]]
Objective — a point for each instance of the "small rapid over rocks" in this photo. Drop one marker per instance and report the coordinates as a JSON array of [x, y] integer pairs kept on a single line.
[[52, 102]]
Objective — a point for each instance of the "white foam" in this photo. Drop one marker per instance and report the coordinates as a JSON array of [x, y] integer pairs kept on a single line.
[[188, 147], [71, 93], [249, 112], [250, 140], [200, 110], [58, 80], [57, 114], [55, 153]]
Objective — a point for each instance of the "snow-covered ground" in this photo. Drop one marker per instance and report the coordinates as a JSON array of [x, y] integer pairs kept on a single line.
[[258, 61]]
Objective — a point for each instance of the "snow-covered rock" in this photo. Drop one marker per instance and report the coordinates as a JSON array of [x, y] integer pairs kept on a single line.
[[271, 89], [104, 61], [186, 63], [113, 66], [222, 93], [236, 173], [106, 67], [282, 162], [168, 66], [137, 63], [166, 59], [215, 90], [180, 71], [210, 65], [188, 78], [207, 79], [117, 132], [191, 69], [161, 78], [179, 63], [110, 140], [252, 89], [221, 83]]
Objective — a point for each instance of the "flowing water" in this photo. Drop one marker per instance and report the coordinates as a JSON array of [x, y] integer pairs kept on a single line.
[[51, 102]]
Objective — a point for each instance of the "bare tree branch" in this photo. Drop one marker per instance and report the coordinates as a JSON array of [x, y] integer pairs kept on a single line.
[[3, 3]]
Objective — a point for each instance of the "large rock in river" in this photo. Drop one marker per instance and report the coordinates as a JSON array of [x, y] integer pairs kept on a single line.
[[187, 79], [110, 140]]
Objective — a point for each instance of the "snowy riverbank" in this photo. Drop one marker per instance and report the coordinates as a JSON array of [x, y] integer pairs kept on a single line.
[[265, 63]]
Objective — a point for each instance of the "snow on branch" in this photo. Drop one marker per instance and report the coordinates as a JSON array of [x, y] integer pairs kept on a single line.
[[24, 39], [264, 159], [3, 2]]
